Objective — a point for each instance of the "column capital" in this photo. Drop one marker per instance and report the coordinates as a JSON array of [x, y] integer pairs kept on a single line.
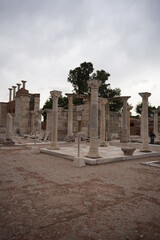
[[69, 94], [48, 110], [145, 94], [14, 87], [124, 98], [55, 94], [129, 108], [32, 112], [94, 83], [40, 111], [156, 111], [103, 101], [23, 82], [10, 89], [18, 85]]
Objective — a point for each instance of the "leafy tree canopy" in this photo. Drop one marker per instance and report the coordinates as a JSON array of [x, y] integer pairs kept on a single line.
[[150, 109], [62, 102], [78, 77]]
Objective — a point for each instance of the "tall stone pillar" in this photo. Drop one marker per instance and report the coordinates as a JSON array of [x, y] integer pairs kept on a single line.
[[144, 121], [38, 120], [10, 94], [141, 122], [48, 120], [129, 108], [108, 122], [124, 132], [32, 121], [93, 150], [18, 85], [24, 83], [155, 126], [55, 95], [14, 92], [70, 115], [103, 102], [87, 102]]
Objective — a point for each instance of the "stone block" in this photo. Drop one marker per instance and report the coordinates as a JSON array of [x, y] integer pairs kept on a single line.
[[35, 149], [128, 151], [78, 162]]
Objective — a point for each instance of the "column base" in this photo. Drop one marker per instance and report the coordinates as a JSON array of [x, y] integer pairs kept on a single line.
[[103, 144], [93, 155], [124, 140], [145, 150], [53, 146]]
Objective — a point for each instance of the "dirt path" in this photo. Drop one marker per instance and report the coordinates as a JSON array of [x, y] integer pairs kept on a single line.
[[44, 197]]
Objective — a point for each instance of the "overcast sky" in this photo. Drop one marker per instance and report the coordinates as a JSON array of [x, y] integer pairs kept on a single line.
[[41, 40]]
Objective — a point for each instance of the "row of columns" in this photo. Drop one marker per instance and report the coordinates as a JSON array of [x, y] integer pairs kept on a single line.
[[93, 150], [14, 90]]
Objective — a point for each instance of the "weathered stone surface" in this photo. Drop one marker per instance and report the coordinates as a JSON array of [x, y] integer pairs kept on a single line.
[[93, 150], [128, 151], [55, 95], [155, 126], [124, 132], [70, 116], [78, 162], [9, 126], [22, 114], [35, 149], [144, 122], [103, 102], [3, 114]]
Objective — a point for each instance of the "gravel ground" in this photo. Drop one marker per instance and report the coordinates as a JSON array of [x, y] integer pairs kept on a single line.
[[44, 197]]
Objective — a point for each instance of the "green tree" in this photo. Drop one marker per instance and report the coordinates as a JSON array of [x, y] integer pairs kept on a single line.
[[62, 102], [150, 109], [78, 77]]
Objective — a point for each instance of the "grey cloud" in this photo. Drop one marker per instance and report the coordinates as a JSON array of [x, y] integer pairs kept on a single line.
[[45, 39]]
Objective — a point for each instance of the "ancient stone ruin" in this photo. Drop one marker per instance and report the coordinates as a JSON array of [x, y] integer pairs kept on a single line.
[[92, 120], [22, 110]]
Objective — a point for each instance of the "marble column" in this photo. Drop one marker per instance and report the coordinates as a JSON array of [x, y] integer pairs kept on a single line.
[[18, 85], [55, 95], [144, 122], [129, 108], [24, 83], [48, 120], [93, 150], [141, 122], [87, 102], [14, 92], [103, 102], [124, 132], [108, 122], [10, 94], [32, 122], [70, 115], [155, 125], [38, 120]]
